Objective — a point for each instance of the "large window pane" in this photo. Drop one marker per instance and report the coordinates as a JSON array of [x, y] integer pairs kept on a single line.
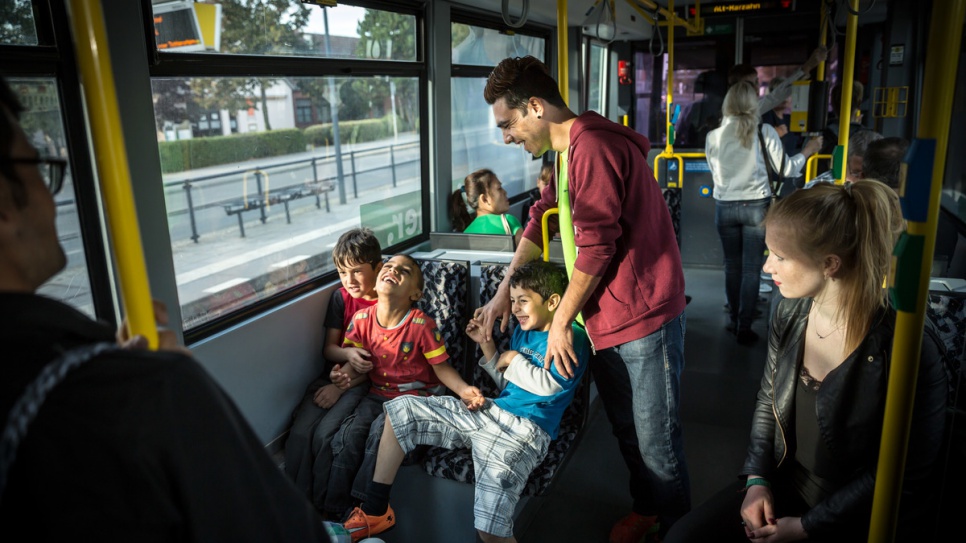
[[597, 78], [257, 208], [478, 143], [17, 23], [43, 123], [284, 28], [478, 46]]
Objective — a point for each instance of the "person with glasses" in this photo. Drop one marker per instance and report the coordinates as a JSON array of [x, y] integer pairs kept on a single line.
[[108, 443]]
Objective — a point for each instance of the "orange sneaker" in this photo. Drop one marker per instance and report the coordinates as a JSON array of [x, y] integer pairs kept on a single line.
[[360, 525], [634, 528]]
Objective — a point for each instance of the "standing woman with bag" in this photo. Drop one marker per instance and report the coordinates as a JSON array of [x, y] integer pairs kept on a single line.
[[741, 155], [483, 193]]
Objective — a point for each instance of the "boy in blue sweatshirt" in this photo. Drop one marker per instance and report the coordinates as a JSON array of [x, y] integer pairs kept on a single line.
[[509, 436]]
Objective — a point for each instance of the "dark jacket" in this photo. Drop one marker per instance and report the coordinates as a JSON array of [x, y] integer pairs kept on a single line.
[[133, 445], [623, 232], [850, 407]]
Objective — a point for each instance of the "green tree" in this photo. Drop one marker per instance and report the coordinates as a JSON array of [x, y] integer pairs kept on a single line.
[[388, 35], [253, 27], [17, 23]]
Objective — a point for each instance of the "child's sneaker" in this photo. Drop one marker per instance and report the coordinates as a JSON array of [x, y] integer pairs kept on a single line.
[[633, 528], [361, 525]]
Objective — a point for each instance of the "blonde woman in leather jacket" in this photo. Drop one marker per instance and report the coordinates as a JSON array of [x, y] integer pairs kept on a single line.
[[810, 469]]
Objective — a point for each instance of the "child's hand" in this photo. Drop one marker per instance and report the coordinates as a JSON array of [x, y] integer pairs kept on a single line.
[[472, 398], [504, 362], [474, 329], [339, 378], [326, 396], [358, 359]]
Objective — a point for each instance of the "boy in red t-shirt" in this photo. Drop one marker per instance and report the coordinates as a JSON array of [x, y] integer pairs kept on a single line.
[[308, 455], [408, 357]]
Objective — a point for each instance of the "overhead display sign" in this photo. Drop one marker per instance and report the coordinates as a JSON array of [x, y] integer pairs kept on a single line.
[[176, 27], [766, 7]]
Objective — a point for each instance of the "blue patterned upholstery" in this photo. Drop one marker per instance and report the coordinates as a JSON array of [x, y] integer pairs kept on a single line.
[[445, 299], [457, 464]]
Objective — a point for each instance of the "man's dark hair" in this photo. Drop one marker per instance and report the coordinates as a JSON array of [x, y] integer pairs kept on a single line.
[[9, 101], [541, 277], [882, 160], [357, 246], [739, 72], [858, 93], [518, 79]]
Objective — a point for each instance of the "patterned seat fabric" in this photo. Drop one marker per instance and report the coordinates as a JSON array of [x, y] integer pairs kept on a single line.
[[444, 299], [457, 464], [672, 197], [948, 313]]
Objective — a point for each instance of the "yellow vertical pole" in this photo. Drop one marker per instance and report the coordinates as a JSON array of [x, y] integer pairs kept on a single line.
[[669, 147], [87, 21], [822, 38], [562, 71], [848, 71], [939, 86]]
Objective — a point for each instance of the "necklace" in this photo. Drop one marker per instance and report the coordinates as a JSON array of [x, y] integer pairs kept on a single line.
[[836, 329]]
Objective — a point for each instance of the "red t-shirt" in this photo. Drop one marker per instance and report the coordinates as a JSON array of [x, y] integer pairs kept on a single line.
[[401, 357]]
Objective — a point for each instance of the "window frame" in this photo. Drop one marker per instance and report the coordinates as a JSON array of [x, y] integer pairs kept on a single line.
[[55, 58], [171, 64]]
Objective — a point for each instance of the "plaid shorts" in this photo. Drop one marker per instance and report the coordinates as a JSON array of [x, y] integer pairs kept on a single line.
[[506, 448]]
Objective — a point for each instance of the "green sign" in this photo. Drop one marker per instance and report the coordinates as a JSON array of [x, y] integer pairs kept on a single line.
[[394, 219], [718, 29]]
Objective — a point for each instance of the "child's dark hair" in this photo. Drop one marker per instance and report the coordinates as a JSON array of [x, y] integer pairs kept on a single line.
[[357, 246], [544, 278], [475, 185], [417, 271]]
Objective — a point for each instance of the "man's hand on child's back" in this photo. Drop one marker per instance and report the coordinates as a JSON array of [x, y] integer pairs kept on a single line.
[[472, 398], [560, 350], [326, 396], [339, 378], [358, 359]]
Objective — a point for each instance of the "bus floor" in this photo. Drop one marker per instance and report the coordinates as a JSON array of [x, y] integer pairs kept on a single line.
[[718, 391]]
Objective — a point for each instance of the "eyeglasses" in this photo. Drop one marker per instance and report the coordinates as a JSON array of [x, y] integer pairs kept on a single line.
[[53, 174]]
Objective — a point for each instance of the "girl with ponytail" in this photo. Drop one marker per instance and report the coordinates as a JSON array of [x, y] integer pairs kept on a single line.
[[483, 195], [811, 465]]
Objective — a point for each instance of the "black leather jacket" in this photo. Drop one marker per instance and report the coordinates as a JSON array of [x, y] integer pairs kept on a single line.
[[850, 406]]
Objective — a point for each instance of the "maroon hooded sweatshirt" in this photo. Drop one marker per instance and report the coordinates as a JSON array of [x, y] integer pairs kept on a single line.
[[623, 232]]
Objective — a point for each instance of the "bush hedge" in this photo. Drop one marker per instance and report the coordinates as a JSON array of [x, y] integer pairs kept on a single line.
[[177, 156]]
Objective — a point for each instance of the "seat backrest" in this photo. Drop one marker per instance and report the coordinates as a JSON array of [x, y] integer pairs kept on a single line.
[[446, 300]]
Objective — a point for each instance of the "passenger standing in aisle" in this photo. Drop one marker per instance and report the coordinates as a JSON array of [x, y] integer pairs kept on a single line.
[[109, 444], [627, 280], [742, 193]]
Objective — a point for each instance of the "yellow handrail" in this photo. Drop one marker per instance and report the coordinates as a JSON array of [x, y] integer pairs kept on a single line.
[[938, 85], [87, 22], [545, 222], [680, 158], [562, 69], [811, 165], [848, 72]]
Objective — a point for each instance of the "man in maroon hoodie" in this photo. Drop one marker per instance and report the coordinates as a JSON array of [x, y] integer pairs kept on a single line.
[[627, 281]]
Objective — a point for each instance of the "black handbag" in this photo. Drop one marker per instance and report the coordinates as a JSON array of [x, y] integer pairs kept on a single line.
[[774, 178]]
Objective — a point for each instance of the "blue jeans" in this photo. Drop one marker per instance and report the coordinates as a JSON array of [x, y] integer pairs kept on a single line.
[[743, 240], [639, 385]]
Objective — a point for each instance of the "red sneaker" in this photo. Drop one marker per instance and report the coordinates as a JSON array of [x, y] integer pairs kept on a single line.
[[634, 528], [360, 525]]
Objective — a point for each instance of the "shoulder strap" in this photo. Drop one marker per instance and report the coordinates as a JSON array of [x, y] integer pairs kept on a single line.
[[25, 409], [774, 179], [506, 225]]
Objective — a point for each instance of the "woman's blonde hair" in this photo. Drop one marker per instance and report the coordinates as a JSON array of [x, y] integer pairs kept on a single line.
[[741, 104], [858, 222]]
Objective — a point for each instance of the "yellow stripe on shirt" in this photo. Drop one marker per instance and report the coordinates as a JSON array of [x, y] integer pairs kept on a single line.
[[435, 352]]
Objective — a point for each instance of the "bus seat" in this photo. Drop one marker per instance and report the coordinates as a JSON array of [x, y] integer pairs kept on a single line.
[[457, 464], [446, 300]]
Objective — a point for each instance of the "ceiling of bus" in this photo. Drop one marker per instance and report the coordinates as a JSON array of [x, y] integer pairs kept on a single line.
[[631, 26]]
